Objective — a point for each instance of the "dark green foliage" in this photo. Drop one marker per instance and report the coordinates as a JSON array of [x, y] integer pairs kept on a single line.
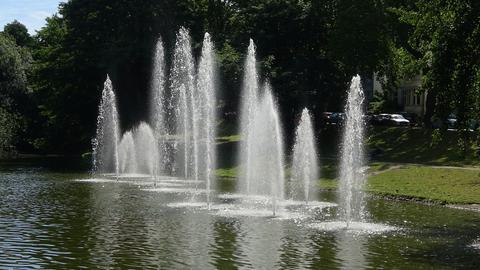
[[308, 50], [448, 35], [92, 38], [19, 33], [14, 66]]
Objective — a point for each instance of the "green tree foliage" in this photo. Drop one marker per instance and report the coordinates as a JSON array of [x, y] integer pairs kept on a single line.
[[298, 44], [19, 33], [439, 39], [14, 65], [308, 49], [448, 35]]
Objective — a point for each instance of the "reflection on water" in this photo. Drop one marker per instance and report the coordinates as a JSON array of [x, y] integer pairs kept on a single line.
[[351, 250], [48, 220]]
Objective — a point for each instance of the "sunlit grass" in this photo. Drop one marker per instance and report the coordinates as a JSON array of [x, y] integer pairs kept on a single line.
[[437, 184], [449, 185]]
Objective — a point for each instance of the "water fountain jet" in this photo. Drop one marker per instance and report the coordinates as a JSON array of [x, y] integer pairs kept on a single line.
[[158, 111], [263, 160], [352, 176], [206, 118], [105, 144], [305, 161], [127, 154], [247, 113], [183, 104]]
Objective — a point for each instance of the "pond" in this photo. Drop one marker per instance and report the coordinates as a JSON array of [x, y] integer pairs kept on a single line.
[[50, 219]]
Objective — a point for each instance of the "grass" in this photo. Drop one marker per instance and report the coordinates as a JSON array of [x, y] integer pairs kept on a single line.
[[406, 145], [442, 185], [397, 146], [437, 184], [327, 183], [414, 145]]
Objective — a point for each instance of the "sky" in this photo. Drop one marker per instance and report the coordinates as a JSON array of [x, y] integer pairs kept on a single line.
[[31, 13]]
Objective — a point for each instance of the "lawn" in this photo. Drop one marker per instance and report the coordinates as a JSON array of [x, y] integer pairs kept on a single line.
[[405, 145], [442, 185], [430, 183], [414, 145], [391, 171]]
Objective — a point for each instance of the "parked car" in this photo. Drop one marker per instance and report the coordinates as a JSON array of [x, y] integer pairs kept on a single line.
[[382, 119], [326, 118], [412, 117], [451, 121], [398, 120], [337, 118], [369, 119]]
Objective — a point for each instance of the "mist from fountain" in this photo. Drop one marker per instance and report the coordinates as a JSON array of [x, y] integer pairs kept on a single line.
[[158, 110], [206, 117], [105, 143], [267, 121], [182, 112], [263, 159], [247, 113], [127, 154], [145, 149], [138, 151], [183, 105], [352, 175], [304, 170]]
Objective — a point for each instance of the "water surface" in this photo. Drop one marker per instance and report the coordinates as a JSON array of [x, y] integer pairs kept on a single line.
[[50, 220]]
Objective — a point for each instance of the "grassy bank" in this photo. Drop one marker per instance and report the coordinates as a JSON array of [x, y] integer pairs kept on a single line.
[[390, 169], [414, 145], [406, 145], [446, 185], [423, 183]]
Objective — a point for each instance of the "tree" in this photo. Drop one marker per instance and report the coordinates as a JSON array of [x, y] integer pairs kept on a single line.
[[304, 48], [19, 33], [14, 65], [442, 43], [447, 34]]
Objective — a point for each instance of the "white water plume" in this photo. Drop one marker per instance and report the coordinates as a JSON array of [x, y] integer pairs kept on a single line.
[[105, 144], [352, 175], [304, 172]]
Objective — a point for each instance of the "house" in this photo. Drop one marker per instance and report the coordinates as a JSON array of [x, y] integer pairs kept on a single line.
[[406, 97]]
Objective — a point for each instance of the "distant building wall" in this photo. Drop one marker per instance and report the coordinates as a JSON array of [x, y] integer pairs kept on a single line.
[[407, 96]]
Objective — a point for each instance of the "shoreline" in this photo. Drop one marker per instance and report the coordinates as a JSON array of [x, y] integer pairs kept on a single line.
[[425, 201]]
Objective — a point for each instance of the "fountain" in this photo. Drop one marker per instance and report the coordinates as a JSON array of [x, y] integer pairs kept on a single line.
[[145, 149], [304, 164], [180, 142], [127, 154], [247, 113], [352, 171], [206, 117], [138, 151], [183, 104], [352, 176], [105, 144], [158, 112], [263, 158], [268, 154], [181, 138]]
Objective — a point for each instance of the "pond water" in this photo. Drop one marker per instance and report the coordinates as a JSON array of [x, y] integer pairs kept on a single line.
[[49, 219]]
